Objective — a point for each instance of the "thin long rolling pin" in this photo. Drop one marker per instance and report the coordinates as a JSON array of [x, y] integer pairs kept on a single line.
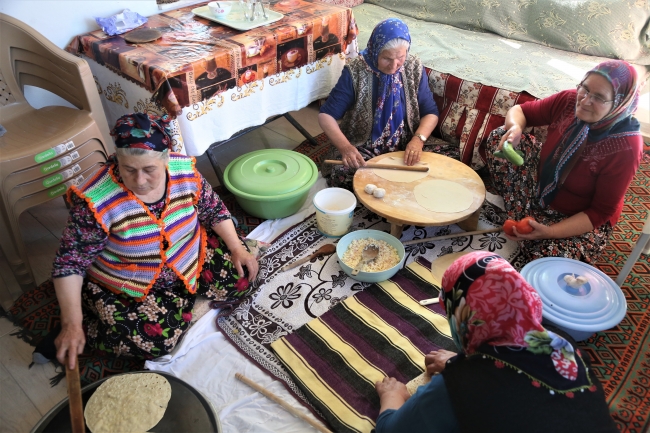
[[454, 235], [292, 410], [383, 166]]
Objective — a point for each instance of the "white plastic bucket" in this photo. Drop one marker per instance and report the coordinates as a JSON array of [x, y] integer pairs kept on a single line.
[[334, 211]]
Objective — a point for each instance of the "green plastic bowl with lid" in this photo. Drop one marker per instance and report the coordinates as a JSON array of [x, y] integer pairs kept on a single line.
[[271, 183]]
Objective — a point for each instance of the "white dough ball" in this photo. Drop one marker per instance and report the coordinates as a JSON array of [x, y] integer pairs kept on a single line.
[[370, 188], [379, 192]]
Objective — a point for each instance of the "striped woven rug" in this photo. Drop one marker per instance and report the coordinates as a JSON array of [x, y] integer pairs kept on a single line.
[[337, 358]]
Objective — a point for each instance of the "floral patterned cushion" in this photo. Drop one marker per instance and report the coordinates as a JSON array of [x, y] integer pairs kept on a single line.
[[607, 28], [469, 111]]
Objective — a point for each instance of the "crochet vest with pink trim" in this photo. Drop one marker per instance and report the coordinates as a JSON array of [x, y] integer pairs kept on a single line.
[[139, 244]]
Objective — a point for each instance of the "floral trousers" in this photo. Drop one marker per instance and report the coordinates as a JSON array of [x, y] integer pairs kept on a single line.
[[119, 325], [518, 187]]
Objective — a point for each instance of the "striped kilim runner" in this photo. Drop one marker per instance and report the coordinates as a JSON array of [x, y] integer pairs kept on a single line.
[[336, 358]]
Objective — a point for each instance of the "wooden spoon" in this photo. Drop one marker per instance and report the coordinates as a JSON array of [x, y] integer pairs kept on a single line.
[[325, 250], [368, 254]]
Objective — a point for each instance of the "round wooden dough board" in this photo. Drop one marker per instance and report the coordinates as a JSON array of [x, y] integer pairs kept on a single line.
[[141, 36]]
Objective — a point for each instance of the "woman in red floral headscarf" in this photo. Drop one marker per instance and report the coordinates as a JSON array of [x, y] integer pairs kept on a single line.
[[512, 374]]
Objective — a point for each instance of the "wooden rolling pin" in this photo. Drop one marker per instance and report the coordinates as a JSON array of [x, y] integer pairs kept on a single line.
[[74, 396], [453, 235], [383, 166], [292, 410]]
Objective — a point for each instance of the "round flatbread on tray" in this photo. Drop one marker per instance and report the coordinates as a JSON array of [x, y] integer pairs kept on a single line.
[[128, 403]]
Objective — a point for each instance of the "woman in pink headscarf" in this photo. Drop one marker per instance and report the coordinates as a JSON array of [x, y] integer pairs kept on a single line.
[[573, 184], [512, 374]]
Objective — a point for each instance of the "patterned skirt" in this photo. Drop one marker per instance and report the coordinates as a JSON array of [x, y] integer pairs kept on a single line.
[[518, 187], [120, 325]]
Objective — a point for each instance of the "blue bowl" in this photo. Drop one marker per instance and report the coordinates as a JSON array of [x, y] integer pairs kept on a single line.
[[370, 277]]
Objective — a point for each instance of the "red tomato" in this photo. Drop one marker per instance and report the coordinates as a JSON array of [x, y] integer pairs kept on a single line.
[[524, 227], [508, 225]]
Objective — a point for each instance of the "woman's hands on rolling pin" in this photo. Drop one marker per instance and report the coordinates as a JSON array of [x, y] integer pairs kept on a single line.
[[351, 157]]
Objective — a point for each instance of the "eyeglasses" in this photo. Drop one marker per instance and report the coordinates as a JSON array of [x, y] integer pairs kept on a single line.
[[595, 99]]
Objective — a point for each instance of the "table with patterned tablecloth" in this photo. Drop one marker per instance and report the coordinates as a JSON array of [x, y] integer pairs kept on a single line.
[[216, 80]]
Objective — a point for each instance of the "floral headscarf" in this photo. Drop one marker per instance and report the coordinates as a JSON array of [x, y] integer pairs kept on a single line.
[[488, 302], [389, 114], [623, 78], [143, 131]]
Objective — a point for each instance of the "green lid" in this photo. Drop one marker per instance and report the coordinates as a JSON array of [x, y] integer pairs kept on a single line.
[[270, 172]]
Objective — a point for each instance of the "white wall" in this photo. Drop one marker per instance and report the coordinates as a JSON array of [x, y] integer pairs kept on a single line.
[[61, 20]]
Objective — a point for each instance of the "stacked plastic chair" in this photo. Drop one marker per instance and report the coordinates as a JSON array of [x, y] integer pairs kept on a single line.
[[43, 151]]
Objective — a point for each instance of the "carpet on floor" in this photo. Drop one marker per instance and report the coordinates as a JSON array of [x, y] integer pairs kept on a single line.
[[620, 356]]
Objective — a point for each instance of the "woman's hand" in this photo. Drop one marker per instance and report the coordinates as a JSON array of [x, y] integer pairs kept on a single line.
[[435, 361], [515, 124], [351, 157], [240, 258], [392, 393], [513, 135], [540, 231], [413, 151], [71, 340]]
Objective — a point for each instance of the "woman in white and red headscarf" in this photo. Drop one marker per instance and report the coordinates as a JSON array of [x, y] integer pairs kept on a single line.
[[512, 374], [146, 234], [573, 183]]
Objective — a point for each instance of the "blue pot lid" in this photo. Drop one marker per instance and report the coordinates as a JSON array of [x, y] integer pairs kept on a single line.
[[270, 172], [597, 305]]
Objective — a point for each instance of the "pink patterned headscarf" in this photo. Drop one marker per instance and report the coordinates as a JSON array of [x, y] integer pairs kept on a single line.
[[488, 302]]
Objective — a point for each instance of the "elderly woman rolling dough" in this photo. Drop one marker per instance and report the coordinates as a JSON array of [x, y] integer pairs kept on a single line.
[[146, 234], [385, 104]]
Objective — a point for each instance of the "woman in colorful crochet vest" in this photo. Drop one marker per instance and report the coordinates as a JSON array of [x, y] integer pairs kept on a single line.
[[384, 101], [146, 234], [512, 374], [574, 183]]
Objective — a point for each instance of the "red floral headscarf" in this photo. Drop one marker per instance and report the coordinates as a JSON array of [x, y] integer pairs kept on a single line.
[[488, 302]]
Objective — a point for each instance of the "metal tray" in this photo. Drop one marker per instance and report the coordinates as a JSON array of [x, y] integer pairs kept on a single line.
[[188, 410], [235, 18]]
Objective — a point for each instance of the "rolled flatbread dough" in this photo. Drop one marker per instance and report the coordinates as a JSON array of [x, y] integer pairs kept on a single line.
[[398, 175], [128, 403], [445, 196], [421, 380]]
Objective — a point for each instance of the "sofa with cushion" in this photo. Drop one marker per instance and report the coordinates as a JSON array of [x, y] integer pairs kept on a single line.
[[484, 56]]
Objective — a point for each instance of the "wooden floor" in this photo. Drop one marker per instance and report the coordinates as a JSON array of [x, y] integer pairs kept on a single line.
[[25, 394]]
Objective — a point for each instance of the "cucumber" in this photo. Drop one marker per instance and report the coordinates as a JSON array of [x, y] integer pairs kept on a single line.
[[508, 152]]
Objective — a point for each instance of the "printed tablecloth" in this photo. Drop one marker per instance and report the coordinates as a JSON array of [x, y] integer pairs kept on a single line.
[[217, 80]]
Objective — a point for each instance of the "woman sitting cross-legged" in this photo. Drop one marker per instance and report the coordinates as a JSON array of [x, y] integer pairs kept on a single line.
[[146, 234], [384, 101], [512, 374], [574, 183]]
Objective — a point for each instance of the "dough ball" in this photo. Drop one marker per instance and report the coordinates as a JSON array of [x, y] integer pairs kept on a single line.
[[379, 192], [370, 188]]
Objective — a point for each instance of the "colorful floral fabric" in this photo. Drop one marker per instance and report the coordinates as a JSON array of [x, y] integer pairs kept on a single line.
[[146, 131], [117, 324], [488, 302], [518, 187]]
